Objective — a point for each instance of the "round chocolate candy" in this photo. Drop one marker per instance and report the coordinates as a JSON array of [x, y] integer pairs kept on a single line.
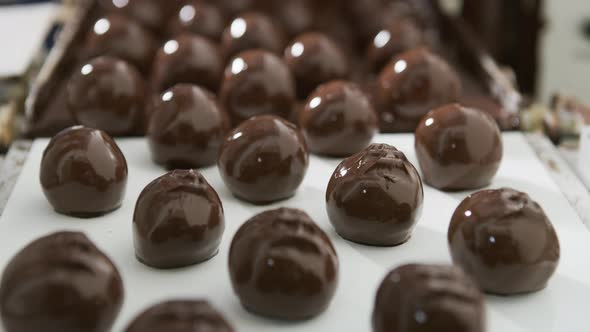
[[399, 37], [282, 265], [108, 94], [315, 59], [187, 128], [117, 36], [83, 173], [458, 148], [375, 197], [187, 59], [257, 82], [419, 298], [152, 14], [410, 86], [198, 17], [295, 16], [263, 160], [338, 120], [60, 282], [191, 229], [505, 241], [251, 30], [180, 316]]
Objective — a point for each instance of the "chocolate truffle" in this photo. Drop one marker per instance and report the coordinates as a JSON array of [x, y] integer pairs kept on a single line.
[[187, 59], [338, 120], [375, 197], [257, 82], [108, 94], [251, 30], [295, 16], [117, 36], [153, 14], [420, 298], [83, 173], [200, 18], [282, 265], [399, 37], [315, 59], [180, 316], [263, 160], [190, 230], [60, 283], [187, 128], [458, 148], [505, 241], [410, 86]]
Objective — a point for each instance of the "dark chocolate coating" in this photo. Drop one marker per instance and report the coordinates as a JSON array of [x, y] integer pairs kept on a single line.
[[427, 298], [338, 120], [315, 59], [257, 82], [180, 316], [375, 197], [198, 17], [117, 36], [187, 128], [294, 16], [153, 14], [411, 85], [251, 30], [264, 159], [187, 59], [458, 148], [231, 8], [178, 221], [504, 240], [108, 94], [282, 265], [83, 173], [60, 283], [399, 37]]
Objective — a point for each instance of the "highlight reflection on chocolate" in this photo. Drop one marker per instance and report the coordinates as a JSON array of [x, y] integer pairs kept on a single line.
[[198, 17], [505, 241], [398, 37], [153, 14], [251, 30], [282, 265]]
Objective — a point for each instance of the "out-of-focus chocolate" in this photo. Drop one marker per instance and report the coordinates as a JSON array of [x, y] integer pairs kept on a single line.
[[458, 148], [399, 37], [282, 265], [257, 82], [187, 128], [420, 298], [187, 59], [375, 197], [294, 16], [231, 8], [505, 241], [251, 30], [315, 59], [411, 85], [190, 230], [198, 17], [107, 94], [83, 172], [60, 283], [119, 37], [264, 159], [180, 316], [338, 120], [153, 14]]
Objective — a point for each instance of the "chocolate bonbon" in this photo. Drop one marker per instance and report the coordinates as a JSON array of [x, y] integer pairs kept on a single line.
[[251, 30], [398, 37], [198, 17]]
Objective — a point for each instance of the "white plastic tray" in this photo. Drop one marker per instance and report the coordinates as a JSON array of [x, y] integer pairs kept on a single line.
[[563, 306]]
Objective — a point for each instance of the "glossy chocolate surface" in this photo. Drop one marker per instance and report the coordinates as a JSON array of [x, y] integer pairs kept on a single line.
[[190, 230], [83, 172], [458, 148], [198, 17], [257, 82], [411, 85], [338, 120], [294, 16], [375, 197], [315, 59], [282, 265], [152, 14], [117, 36], [251, 30], [108, 94], [180, 316], [505, 241], [264, 159], [425, 298], [187, 128], [60, 283], [400, 36], [187, 59]]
